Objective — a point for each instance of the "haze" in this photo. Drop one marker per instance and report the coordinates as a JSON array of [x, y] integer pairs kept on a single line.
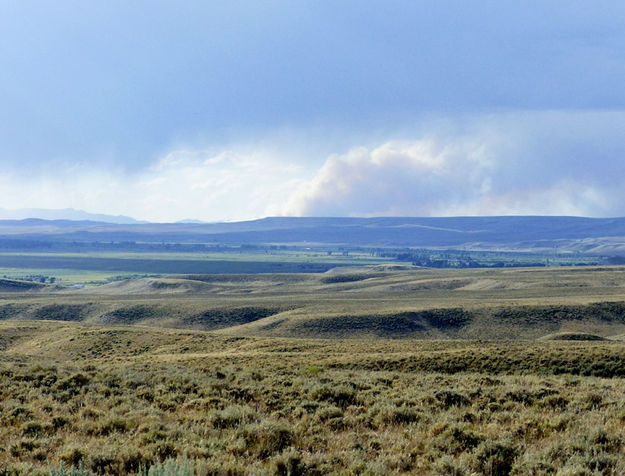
[[233, 110]]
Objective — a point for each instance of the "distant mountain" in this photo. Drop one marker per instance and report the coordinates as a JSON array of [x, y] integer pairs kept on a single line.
[[604, 236], [190, 220], [64, 214]]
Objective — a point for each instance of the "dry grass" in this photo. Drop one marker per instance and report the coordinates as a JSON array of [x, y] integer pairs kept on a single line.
[[122, 398], [100, 377], [378, 302]]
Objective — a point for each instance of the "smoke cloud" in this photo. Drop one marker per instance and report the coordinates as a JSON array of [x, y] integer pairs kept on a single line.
[[540, 163]]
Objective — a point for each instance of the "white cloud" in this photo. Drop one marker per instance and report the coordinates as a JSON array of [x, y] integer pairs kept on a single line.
[[184, 184]]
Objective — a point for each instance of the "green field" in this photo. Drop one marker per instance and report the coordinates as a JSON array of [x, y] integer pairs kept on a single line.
[[264, 255], [100, 267]]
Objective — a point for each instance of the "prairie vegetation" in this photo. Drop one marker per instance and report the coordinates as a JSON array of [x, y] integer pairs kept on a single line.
[[361, 371], [376, 301], [119, 400]]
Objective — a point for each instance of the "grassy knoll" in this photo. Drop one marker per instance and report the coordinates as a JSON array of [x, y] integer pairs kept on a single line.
[[122, 398]]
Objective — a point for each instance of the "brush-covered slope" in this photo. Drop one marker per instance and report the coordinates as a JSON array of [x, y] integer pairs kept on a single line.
[[376, 302], [118, 399], [15, 285]]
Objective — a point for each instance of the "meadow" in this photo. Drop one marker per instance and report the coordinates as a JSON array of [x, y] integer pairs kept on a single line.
[[374, 370]]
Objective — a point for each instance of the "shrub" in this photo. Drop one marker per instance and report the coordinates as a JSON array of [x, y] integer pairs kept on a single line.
[[327, 413], [73, 456], [496, 458], [168, 468], [311, 371], [446, 466], [457, 439], [450, 399], [266, 438], [59, 422], [331, 416], [33, 429], [288, 464], [231, 417], [113, 425], [20, 414], [102, 463], [73, 471], [340, 395], [393, 415]]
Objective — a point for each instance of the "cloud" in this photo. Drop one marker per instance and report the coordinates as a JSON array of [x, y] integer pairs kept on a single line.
[[394, 178], [183, 184], [225, 186], [552, 163]]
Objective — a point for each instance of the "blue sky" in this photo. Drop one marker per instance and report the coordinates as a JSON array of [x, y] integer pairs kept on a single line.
[[232, 110]]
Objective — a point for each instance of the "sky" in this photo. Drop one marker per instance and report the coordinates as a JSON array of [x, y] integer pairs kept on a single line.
[[222, 111]]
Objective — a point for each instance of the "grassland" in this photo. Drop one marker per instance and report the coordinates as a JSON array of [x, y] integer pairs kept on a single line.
[[122, 398], [375, 301], [374, 370]]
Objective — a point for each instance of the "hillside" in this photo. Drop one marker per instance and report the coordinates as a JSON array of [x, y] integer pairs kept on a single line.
[[371, 302], [14, 285]]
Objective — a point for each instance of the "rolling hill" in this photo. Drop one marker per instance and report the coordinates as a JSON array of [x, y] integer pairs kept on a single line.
[[369, 302]]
